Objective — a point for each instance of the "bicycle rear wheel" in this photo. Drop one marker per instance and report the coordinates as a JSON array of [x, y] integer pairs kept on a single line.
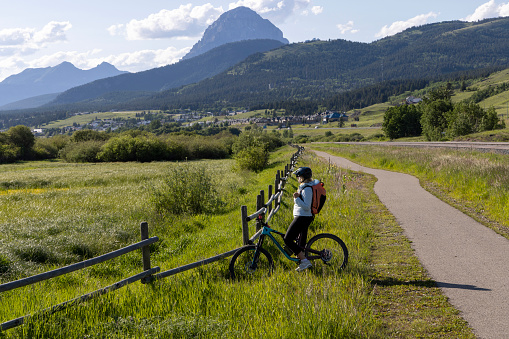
[[243, 265], [327, 251]]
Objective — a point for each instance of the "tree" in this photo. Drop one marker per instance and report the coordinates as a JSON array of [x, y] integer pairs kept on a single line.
[[22, 137], [435, 109], [467, 118], [89, 135], [402, 121], [434, 118]]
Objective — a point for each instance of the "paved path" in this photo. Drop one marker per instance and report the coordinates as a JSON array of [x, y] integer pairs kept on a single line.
[[469, 261]]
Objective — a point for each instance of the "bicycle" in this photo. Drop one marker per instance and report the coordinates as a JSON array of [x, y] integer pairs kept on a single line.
[[254, 261]]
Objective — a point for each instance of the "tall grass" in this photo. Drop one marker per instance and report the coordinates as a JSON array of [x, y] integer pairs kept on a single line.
[[475, 182]]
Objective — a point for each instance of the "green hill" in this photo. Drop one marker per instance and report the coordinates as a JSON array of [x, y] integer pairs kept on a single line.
[[321, 69]]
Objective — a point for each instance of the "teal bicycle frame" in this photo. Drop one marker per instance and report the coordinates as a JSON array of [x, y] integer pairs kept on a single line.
[[266, 231]]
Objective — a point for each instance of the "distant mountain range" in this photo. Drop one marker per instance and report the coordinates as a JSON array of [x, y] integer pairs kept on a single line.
[[171, 76], [34, 82], [238, 24], [230, 39]]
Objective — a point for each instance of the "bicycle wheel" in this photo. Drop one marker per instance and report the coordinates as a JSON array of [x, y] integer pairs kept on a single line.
[[242, 265], [327, 251]]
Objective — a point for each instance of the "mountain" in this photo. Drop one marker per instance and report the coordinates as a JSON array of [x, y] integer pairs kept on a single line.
[[39, 81], [182, 73], [31, 102], [237, 24], [321, 69]]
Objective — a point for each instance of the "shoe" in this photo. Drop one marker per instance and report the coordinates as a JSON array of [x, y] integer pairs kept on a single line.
[[304, 264]]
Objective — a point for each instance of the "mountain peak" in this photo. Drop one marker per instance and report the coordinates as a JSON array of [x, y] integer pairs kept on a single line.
[[48, 80], [64, 65], [238, 24]]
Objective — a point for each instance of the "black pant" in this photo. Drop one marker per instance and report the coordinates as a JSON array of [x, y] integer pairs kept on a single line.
[[298, 228]]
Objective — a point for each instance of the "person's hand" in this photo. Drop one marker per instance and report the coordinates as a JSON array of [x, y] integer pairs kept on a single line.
[[296, 195]]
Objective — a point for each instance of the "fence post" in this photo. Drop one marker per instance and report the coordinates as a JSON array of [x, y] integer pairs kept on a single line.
[[259, 204], [269, 208], [276, 189], [245, 225], [145, 251]]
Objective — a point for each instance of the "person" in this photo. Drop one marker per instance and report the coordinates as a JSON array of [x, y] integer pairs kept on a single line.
[[296, 235]]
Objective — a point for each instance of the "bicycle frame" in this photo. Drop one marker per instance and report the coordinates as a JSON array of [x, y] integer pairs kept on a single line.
[[267, 230]]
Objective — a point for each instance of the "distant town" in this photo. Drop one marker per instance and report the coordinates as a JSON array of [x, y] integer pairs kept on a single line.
[[190, 118]]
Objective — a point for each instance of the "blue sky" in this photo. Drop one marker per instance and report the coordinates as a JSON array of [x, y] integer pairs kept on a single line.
[[139, 35]]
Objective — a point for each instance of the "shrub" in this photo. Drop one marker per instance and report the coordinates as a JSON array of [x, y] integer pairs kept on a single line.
[[8, 153], [253, 158], [206, 148], [48, 148], [140, 148], [187, 188], [89, 135], [87, 151], [251, 149]]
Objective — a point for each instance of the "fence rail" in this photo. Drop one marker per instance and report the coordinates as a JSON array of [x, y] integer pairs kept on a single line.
[[149, 274]]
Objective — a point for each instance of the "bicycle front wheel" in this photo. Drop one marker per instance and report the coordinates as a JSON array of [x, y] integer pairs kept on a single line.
[[327, 251], [244, 266]]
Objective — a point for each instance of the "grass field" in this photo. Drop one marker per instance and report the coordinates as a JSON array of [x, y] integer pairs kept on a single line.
[[475, 182], [54, 213], [88, 118]]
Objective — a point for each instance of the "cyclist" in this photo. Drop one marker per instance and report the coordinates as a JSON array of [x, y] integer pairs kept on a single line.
[[302, 216]]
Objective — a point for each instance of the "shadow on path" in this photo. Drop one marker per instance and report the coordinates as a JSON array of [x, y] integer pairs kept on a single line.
[[461, 286], [425, 283]]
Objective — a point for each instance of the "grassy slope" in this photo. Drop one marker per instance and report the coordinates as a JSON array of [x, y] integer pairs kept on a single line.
[[87, 118], [382, 293], [474, 182]]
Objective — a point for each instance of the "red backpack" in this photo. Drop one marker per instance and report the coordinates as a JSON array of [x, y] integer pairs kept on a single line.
[[319, 196]]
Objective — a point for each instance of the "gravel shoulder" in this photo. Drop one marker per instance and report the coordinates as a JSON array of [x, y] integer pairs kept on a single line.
[[468, 261]]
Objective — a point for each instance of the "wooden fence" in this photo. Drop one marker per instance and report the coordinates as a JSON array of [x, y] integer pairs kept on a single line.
[[149, 274]]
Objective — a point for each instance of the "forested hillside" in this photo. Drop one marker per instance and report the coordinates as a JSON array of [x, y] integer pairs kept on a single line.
[[322, 69]]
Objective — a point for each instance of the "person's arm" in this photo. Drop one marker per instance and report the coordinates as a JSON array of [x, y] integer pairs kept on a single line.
[[304, 199]]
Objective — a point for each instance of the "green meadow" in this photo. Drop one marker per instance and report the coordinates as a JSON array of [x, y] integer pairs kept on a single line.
[[54, 213]]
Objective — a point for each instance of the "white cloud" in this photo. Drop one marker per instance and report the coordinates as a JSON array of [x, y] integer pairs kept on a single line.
[[52, 32], [347, 28], [145, 59], [489, 9], [400, 26], [185, 21], [276, 11], [30, 38], [317, 10]]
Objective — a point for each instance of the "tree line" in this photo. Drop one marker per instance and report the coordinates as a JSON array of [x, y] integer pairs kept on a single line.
[[250, 148], [438, 118]]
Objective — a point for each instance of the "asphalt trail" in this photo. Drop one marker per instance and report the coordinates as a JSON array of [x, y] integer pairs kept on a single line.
[[469, 261]]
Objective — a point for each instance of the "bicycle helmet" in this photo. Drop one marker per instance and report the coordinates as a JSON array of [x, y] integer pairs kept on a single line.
[[304, 172]]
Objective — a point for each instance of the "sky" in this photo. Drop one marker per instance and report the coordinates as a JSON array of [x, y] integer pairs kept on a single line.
[[140, 35]]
